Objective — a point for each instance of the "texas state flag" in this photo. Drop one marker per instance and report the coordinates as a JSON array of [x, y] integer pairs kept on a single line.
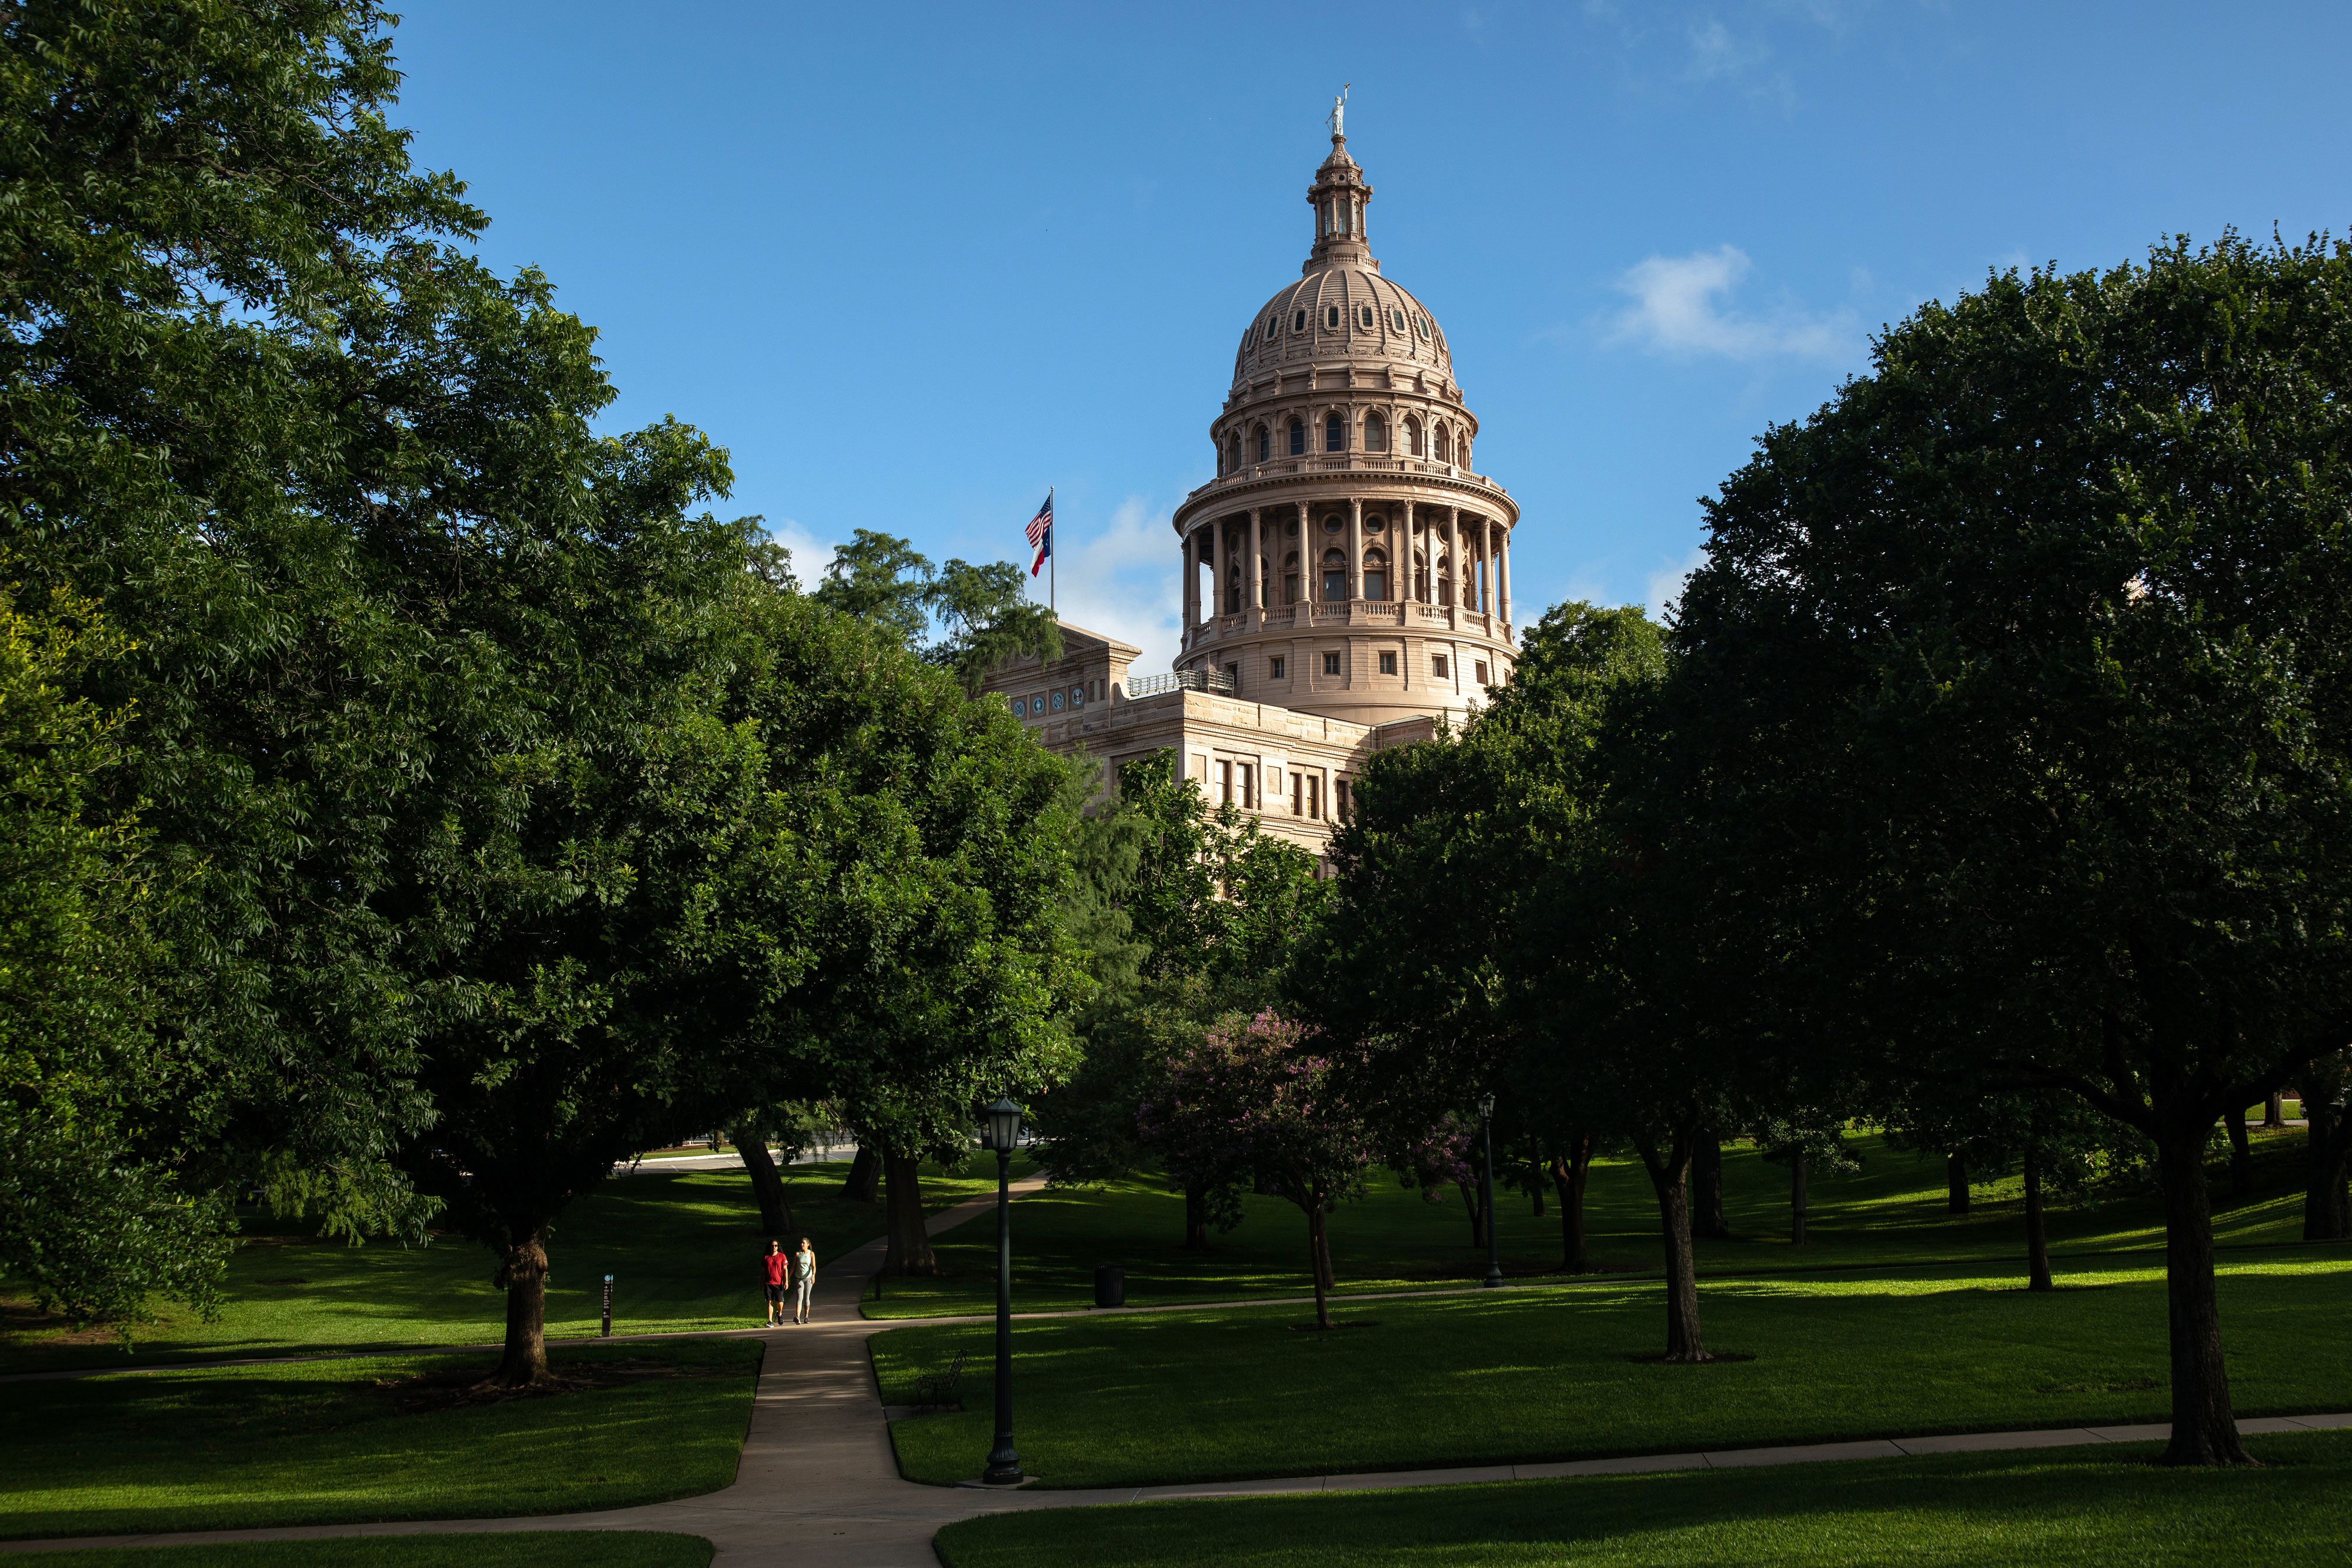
[[1041, 533]]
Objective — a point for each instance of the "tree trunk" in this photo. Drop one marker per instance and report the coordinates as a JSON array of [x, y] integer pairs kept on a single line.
[[523, 1274], [1196, 1217], [1477, 1215], [1318, 1261], [1797, 1199], [1670, 1179], [865, 1183], [2273, 1113], [1708, 1218], [2204, 1427], [2242, 1155], [2327, 1194], [910, 1250], [1535, 1190], [1955, 1183], [2037, 1235], [767, 1184], [1569, 1175]]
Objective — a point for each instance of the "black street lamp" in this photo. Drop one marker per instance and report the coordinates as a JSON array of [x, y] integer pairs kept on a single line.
[[1003, 1131], [1487, 1191]]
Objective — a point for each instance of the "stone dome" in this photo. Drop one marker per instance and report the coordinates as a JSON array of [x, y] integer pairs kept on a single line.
[[1342, 315]]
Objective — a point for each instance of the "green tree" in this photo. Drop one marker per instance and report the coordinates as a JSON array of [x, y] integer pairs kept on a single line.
[[2031, 649], [217, 265], [96, 1213], [974, 617], [1195, 913]]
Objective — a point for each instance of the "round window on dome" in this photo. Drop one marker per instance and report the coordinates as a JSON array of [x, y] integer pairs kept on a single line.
[[1332, 525], [1331, 317]]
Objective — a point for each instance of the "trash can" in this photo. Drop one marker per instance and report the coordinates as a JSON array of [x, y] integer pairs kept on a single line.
[[1110, 1286]]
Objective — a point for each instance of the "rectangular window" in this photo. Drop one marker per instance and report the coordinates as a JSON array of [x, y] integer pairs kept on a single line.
[[1437, 666], [1330, 664], [1482, 672], [1342, 787], [1387, 664], [1249, 786], [1225, 782], [1274, 667], [1298, 794], [1315, 797], [1233, 676]]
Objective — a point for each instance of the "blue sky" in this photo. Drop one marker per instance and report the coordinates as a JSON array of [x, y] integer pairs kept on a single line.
[[912, 265]]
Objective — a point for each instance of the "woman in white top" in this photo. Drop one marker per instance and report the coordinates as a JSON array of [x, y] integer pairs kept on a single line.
[[803, 1279]]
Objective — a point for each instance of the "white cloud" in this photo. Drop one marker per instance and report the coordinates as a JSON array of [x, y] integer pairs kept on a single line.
[[1665, 586], [811, 555], [1680, 308], [1717, 56], [1124, 581]]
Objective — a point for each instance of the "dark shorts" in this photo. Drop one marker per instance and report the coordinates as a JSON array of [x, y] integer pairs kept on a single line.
[[776, 1293]]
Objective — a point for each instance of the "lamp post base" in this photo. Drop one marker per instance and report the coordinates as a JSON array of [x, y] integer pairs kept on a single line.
[[1016, 1484]]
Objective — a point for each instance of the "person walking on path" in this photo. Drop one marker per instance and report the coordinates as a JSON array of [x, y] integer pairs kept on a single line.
[[803, 1279], [775, 1264]]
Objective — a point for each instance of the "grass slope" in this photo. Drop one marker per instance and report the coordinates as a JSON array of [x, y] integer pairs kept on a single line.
[[336, 1442], [683, 1248], [1537, 1374], [1891, 1212], [2069, 1510], [534, 1549]]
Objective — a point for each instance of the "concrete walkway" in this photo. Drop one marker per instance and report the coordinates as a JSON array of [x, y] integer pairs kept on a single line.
[[818, 1486]]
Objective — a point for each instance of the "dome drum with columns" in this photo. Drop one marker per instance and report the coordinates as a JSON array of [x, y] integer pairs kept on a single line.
[[1347, 561]]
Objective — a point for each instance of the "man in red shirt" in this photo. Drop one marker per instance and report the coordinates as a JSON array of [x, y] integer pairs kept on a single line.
[[775, 1264]]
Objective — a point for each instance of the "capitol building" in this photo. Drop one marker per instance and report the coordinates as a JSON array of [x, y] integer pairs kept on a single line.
[[1347, 574]]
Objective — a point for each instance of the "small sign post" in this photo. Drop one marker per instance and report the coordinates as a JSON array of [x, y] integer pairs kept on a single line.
[[607, 1332]]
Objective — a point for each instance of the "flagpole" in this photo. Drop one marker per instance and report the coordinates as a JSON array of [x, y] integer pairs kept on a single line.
[[1053, 561]]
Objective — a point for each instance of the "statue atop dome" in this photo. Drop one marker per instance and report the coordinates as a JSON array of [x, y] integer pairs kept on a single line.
[[1338, 119]]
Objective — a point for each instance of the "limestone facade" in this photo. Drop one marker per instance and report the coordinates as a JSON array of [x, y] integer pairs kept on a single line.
[[1347, 574]]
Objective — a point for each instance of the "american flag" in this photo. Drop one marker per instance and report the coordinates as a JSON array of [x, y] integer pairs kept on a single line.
[[1041, 533]]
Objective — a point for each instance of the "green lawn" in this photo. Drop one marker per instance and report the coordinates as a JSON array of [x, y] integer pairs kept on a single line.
[[1557, 1374], [535, 1549], [1889, 1213], [2072, 1509], [683, 1248], [334, 1442]]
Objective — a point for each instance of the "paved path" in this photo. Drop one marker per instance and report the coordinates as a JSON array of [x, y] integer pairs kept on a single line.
[[818, 1486]]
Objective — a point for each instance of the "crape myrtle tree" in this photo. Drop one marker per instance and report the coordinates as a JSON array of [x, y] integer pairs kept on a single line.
[[223, 281], [2037, 639], [1254, 1094], [1194, 914]]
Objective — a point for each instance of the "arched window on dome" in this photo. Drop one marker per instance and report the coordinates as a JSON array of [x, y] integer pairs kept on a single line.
[[1364, 318], [1412, 437], [1233, 453], [1375, 434], [1298, 321], [1376, 574], [1417, 590], [1298, 437], [1233, 584], [1446, 581], [1335, 577], [1265, 444], [1290, 578], [1331, 317], [1463, 447], [1335, 434], [1445, 446]]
